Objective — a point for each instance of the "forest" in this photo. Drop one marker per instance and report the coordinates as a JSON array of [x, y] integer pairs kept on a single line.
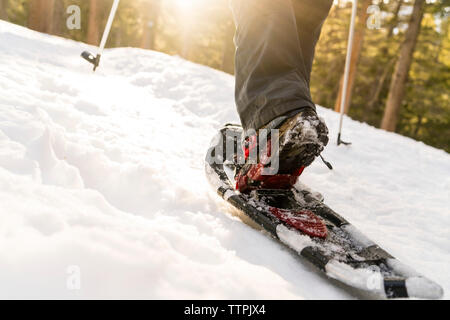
[[399, 69]]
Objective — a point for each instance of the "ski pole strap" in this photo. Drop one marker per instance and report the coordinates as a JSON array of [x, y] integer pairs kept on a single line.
[[95, 60], [326, 163]]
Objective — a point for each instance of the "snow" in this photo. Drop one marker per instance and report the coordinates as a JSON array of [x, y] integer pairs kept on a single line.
[[359, 278], [103, 192]]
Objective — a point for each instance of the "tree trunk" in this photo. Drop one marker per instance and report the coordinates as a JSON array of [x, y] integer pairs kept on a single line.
[[118, 39], [150, 18], [379, 83], [93, 33], [186, 22], [401, 71], [418, 126], [35, 11], [186, 40], [3, 8], [356, 52], [48, 13], [40, 15], [395, 19], [59, 20], [384, 71]]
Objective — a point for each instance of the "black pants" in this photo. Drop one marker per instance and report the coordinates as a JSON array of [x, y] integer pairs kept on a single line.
[[275, 41]]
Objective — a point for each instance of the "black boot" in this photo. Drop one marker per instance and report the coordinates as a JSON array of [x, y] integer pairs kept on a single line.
[[302, 136]]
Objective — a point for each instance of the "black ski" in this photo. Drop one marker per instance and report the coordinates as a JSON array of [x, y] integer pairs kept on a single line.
[[345, 254]]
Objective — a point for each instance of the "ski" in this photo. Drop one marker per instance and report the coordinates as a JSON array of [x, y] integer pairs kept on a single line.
[[301, 221]]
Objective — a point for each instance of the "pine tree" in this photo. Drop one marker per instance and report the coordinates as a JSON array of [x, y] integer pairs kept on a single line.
[[58, 24], [383, 70], [93, 33], [355, 54], [3, 10], [229, 48], [150, 17], [400, 76], [34, 10]]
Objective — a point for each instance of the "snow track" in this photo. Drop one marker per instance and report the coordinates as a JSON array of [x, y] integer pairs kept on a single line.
[[105, 172]]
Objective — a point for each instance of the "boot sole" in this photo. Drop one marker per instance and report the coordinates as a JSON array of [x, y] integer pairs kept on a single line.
[[299, 149]]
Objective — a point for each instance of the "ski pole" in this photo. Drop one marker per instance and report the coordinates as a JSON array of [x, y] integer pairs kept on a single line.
[[347, 70], [95, 60]]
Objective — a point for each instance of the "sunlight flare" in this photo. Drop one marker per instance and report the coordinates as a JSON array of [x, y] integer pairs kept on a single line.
[[187, 4]]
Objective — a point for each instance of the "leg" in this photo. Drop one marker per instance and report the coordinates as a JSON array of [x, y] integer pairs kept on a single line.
[[310, 16], [271, 75], [275, 42]]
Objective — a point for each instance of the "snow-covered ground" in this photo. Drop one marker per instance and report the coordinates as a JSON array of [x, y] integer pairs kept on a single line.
[[102, 184]]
